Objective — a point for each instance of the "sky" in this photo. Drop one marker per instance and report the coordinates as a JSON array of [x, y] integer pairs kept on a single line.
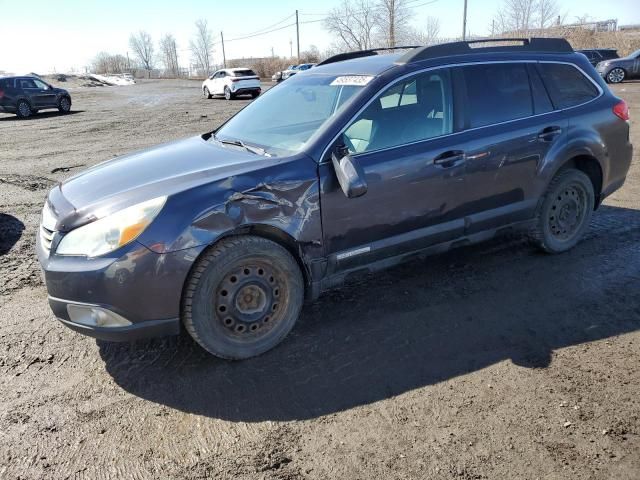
[[64, 35]]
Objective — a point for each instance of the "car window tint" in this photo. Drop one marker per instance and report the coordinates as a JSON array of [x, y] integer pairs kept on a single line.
[[27, 83], [497, 93], [244, 73], [566, 85], [416, 109], [541, 101]]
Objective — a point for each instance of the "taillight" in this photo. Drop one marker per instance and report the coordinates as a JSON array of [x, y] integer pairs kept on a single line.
[[621, 110]]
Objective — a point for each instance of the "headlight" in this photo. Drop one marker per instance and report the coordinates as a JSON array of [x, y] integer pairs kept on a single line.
[[111, 232]]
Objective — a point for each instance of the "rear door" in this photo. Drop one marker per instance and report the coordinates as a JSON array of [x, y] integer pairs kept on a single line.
[[29, 90], [510, 130]]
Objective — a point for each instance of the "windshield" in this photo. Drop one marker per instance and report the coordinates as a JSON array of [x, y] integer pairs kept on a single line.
[[635, 54], [284, 119]]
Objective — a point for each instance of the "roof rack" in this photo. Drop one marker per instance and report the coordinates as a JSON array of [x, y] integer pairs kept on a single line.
[[361, 53], [540, 45]]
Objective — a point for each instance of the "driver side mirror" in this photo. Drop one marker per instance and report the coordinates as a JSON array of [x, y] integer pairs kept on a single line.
[[350, 175]]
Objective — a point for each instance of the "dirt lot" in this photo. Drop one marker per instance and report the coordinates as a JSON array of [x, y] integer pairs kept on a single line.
[[493, 361]]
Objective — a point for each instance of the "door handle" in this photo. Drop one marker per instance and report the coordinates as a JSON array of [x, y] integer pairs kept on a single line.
[[449, 159], [549, 133]]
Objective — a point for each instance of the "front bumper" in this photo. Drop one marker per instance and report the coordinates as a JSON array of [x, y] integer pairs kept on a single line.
[[134, 284]]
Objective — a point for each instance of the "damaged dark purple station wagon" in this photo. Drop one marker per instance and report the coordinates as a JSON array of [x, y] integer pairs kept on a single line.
[[365, 161]]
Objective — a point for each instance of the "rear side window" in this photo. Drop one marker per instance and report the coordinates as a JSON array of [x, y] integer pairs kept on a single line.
[[609, 54], [497, 93], [567, 85]]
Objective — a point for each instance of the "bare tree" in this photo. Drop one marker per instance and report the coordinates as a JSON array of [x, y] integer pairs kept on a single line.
[[546, 13], [426, 36], [311, 55], [515, 16], [353, 23], [202, 47], [169, 51], [142, 47], [105, 62], [392, 17]]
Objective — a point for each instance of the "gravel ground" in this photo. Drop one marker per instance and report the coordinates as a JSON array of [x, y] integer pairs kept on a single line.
[[492, 361]]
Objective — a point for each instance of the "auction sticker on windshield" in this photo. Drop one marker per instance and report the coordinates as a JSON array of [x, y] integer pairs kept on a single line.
[[352, 80]]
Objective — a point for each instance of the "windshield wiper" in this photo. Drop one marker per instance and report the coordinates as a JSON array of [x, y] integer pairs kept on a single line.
[[249, 148]]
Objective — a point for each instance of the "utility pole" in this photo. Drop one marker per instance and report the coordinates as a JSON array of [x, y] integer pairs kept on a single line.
[[128, 64], [290, 48], [298, 35], [464, 22], [224, 57], [272, 54]]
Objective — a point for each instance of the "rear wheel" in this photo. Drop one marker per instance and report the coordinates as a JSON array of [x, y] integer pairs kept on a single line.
[[23, 109], [206, 93], [616, 75], [243, 297], [227, 94], [64, 105], [565, 212]]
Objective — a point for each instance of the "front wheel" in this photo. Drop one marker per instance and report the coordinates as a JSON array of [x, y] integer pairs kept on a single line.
[[242, 297], [205, 93], [565, 212], [64, 105], [616, 75], [227, 93], [23, 109]]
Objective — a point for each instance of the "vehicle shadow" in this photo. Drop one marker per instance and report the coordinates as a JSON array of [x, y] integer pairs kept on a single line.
[[10, 232], [409, 327], [39, 116]]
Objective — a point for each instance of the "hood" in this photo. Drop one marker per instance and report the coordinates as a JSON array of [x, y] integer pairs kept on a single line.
[[162, 170]]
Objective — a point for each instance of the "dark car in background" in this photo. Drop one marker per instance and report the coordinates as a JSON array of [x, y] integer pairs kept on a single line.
[[597, 55], [26, 95], [388, 158], [620, 69]]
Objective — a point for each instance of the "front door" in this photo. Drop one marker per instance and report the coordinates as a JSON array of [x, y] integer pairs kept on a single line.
[[414, 171], [45, 95]]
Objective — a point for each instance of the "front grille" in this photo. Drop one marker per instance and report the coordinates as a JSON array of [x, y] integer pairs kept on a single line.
[[46, 237]]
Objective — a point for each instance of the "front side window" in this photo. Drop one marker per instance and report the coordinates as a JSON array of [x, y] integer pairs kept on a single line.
[[284, 119], [496, 93], [566, 85], [415, 109], [41, 84]]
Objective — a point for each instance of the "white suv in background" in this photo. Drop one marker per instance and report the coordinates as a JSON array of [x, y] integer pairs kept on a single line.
[[232, 82]]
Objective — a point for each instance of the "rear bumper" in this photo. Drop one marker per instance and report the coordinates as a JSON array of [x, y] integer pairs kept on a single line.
[[247, 90]]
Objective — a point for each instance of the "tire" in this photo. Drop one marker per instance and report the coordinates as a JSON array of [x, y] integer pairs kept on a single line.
[[616, 75], [23, 109], [205, 93], [255, 94], [242, 297], [565, 211], [227, 94], [64, 105]]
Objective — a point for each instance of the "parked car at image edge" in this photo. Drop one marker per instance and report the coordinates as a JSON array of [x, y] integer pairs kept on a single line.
[[27, 95], [231, 82], [619, 69], [597, 55], [290, 71], [388, 158]]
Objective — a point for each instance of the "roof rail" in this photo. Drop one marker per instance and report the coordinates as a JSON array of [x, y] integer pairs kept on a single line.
[[361, 53], [544, 45]]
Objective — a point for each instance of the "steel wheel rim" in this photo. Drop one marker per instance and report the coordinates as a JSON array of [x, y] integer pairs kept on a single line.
[[24, 109], [616, 75], [567, 212], [250, 301]]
